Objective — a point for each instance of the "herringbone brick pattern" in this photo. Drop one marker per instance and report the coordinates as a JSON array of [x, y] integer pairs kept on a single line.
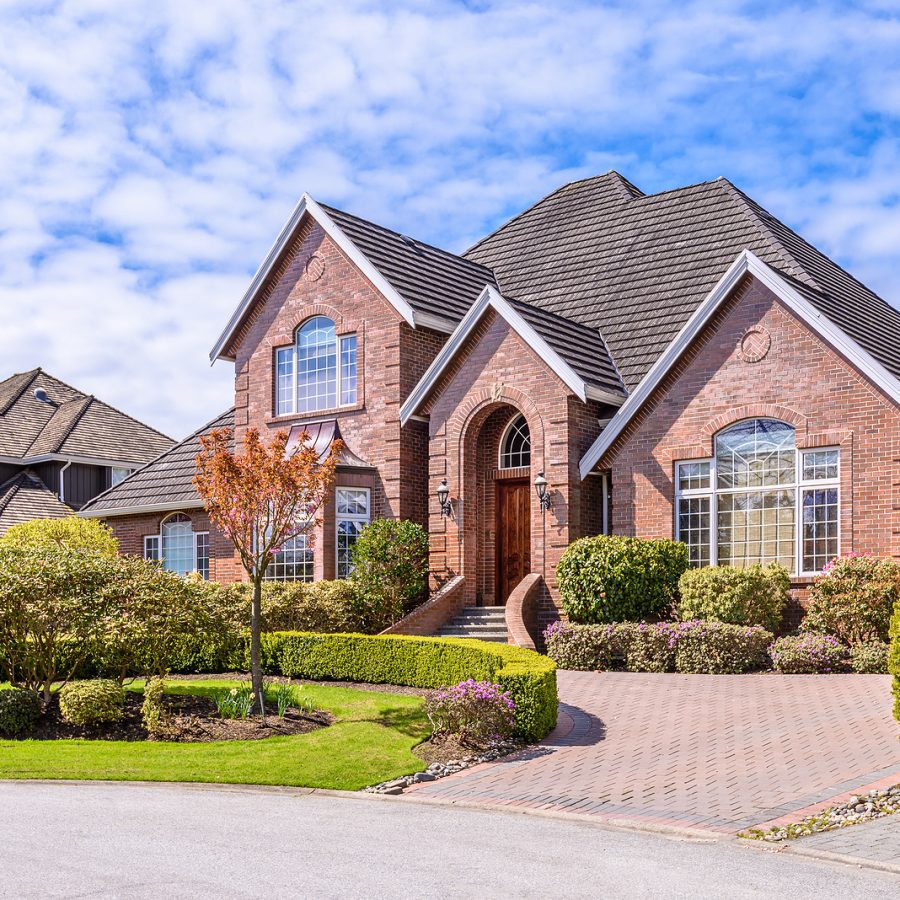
[[704, 751]]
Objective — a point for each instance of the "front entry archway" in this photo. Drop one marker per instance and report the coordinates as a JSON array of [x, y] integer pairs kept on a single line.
[[513, 499]]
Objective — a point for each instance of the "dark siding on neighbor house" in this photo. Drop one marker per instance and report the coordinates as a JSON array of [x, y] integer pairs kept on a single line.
[[83, 483], [7, 471]]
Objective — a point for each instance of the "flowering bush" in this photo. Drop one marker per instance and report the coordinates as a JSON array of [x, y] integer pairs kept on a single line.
[[582, 647], [808, 654], [870, 658], [91, 702], [718, 648], [853, 599], [477, 713]]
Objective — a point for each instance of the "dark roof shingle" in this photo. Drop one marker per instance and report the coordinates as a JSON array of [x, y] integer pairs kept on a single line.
[[24, 497]]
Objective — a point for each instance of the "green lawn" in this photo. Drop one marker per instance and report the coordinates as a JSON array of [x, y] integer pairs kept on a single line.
[[370, 742]]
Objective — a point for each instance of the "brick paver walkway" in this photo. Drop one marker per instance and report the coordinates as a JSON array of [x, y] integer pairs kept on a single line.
[[875, 841], [718, 752]]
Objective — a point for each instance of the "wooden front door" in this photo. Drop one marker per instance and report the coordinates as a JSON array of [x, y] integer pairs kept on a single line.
[[513, 535]]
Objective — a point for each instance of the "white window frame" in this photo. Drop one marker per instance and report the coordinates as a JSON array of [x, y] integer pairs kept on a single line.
[[158, 538], [295, 374], [148, 541], [503, 438], [363, 519], [799, 485], [112, 474]]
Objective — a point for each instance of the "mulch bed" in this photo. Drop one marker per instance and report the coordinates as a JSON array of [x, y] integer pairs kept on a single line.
[[189, 719], [360, 685]]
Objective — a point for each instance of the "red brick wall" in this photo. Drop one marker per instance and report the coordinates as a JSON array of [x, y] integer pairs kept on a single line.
[[800, 380]]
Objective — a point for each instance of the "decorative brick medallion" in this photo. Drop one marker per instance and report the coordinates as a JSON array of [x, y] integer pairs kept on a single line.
[[314, 268], [754, 344]]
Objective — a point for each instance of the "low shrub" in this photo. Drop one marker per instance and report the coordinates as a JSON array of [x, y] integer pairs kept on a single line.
[[69, 532], [478, 713], [588, 648], [893, 665], [870, 658], [853, 599], [19, 710], [751, 596], [152, 708], [607, 578], [647, 647], [719, 648], [91, 702], [808, 654]]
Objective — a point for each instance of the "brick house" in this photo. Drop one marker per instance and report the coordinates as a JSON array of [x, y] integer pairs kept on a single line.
[[60, 448], [680, 364]]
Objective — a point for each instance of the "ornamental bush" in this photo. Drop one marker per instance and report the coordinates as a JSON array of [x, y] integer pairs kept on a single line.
[[613, 579], [70, 533], [751, 596], [893, 665], [478, 714], [588, 648], [853, 599], [808, 654], [91, 702], [718, 648], [870, 658], [390, 569], [19, 710]]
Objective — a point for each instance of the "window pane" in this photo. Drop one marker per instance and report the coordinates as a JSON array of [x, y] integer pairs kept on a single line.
[[756, 527], [352, 502], [178, 545], [820, 528], [759, 453], [316, 365], [203, 554], [117, 474], [151, 547], [516, 449], [693, 476], [347, 533], [293, 562], [820, 464], [693, 528], [284, 381], [348, 370]]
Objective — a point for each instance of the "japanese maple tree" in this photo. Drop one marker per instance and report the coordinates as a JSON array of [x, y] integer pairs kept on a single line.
[[261, 497]]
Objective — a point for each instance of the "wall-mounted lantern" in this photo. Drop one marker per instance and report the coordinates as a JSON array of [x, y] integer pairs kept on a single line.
[[540, 485], [443, 495]]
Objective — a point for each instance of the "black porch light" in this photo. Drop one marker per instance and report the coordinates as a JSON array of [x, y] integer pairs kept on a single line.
[[540, 485], [443, 494]]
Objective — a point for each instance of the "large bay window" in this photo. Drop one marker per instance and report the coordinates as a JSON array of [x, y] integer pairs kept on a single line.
[[178, 547], [760, 500], [353, 513], [317, 372]]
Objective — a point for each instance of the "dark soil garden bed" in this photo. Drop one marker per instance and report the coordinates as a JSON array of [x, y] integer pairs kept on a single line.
[[189, 719]]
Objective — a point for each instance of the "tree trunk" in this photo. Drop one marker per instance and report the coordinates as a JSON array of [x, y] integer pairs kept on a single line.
[[256, 676]]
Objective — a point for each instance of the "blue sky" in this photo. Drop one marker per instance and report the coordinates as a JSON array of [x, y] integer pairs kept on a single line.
[[151, 150]]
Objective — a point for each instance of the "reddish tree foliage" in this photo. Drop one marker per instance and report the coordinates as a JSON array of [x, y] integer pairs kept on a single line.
[[260, 498]]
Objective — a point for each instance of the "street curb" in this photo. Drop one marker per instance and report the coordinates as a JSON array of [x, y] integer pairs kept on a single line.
[[857, 861]]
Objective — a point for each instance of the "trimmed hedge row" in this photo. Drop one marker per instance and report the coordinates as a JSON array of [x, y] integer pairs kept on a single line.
[[894, 658]]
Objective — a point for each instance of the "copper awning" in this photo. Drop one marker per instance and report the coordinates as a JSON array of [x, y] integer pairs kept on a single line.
[[320, 436]]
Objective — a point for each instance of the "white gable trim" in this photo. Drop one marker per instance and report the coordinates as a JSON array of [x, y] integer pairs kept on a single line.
[[746, 263], [112, 511], [490, 297], [330, 227]]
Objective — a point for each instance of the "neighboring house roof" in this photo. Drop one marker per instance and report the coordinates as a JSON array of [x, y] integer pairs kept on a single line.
[[73, 425], [637, 267], [165, 483], [24, 497]]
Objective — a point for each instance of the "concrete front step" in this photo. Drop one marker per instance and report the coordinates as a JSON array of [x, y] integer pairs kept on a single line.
[[498, 637], [486, 623]]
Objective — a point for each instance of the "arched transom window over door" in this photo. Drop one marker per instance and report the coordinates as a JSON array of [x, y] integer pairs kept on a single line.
[[760, 500], [515, 446]]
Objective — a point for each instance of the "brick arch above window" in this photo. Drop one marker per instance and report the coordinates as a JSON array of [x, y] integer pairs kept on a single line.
[[752, 411]]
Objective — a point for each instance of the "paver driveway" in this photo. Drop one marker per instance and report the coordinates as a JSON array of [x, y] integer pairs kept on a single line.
[[720, 752]]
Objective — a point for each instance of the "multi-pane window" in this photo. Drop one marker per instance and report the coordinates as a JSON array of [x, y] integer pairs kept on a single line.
[[292, 562], [760, 500], [318, 372], [352, 505], [178, 547], [515, 446]]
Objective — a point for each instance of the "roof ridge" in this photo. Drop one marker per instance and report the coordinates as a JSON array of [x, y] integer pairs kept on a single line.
[[32, 373], [85, 400], [7, 499]]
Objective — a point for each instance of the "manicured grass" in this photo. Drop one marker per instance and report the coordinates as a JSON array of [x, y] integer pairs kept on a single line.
[[370, 742]]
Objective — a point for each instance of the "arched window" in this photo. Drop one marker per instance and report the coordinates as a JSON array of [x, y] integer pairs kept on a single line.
[[318, 372], [515, 446], [760, 500], [178, 547]]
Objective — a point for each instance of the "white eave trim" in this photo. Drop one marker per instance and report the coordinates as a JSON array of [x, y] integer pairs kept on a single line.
[[109, 512], [81, 460], [746, 263], [330, 227], [490, 297]]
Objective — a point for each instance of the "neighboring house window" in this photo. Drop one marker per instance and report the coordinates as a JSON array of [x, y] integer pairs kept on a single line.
[[118, 474], [293, 561], [352, 514], [515, 445], [178, 547], [318, 372], [769, 501]]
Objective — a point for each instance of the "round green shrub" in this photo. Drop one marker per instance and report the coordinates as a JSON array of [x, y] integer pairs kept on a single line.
[[751, 596], [870, 658], [808, 654], [853, 599], [69, 532], [91, 702], [614, 579], [19, 710]]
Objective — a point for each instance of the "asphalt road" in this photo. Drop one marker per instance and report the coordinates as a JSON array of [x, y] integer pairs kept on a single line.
[[161, 841]]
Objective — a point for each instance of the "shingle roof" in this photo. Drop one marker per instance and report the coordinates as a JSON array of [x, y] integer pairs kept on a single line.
[[25, 497], [167, 479], [636, 267], [73, 424]]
